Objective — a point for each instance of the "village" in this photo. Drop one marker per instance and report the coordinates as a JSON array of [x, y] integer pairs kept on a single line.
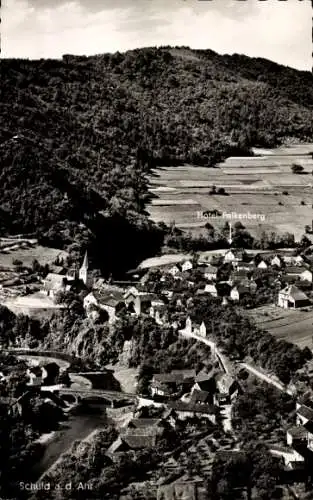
[[281, 281]]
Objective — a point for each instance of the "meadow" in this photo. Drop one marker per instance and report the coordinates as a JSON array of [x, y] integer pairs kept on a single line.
[[263, 185], [294, 326]]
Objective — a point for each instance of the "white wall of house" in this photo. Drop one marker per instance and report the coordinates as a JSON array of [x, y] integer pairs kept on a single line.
[[234, 294]]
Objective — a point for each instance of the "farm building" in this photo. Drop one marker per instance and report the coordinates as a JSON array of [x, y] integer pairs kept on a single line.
[[291, 296]]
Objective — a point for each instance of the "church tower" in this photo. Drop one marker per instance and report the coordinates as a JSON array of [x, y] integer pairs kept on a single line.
[[84, 272]]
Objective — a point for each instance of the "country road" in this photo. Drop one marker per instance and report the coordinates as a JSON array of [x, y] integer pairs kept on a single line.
[[226, 364], [267, 378], [221, 358]]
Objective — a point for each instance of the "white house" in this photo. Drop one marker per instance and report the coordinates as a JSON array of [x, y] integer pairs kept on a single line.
[[276, 261], [292, 297], [306, 275], [298, 260], [188, 326], [238, 291], [187, 265], [211, 289], [233, 255], [310, 441], [210, 272], [200, 330], [262, 265], [304, 414], [174, 271]]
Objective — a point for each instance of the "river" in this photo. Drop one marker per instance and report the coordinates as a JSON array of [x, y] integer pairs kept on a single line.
[[76, 428]]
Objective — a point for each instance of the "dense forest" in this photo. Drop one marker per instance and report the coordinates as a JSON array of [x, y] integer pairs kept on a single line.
[[79, 135]]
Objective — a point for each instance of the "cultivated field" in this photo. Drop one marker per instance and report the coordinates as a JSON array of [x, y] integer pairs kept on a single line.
[[295, 326], [27, 251], [254, 185]]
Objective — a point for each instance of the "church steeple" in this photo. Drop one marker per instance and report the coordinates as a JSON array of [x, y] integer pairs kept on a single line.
[[84, 271], [85, 261]]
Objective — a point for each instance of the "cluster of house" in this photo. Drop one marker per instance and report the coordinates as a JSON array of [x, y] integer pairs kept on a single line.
[[299, 454], [294, 283], [244, 279], [192, 393]]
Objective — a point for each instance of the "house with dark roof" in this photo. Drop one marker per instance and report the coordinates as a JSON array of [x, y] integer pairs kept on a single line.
[[139, 302], [168, 384], [139, 423], [201, 397], [136, 438], [227, 389], [296, 435], [184, 488], [304, 414], [190, 410], [111, 301], [292, 297], [296, 271]]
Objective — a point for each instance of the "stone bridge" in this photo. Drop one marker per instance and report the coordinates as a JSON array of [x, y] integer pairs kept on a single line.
[[96, 396]]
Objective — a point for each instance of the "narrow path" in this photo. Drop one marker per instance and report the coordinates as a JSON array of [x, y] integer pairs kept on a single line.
[[266, 378]]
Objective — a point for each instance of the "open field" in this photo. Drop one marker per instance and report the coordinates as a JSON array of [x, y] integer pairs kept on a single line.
[[35, 305], [295, 326], [254, 185], [26, 253]]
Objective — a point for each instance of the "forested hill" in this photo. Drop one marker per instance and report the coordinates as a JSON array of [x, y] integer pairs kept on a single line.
[[89, 127]]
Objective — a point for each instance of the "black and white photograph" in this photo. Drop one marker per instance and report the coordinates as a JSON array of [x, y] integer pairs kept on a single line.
[[156, 250]]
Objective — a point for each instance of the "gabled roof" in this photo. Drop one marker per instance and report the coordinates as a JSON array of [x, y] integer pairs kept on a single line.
[[191, 407], [144, 422], [108, 297], [200, 397], [239, 254], [306, 412], [241, 289], [293, 292], [209, 269], [295, 269], [298, 432], [206, 376], [175, 377], [142, 437], [183, 490]]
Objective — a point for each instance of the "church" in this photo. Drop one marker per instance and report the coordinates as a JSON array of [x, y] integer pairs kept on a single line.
[[82, 274]]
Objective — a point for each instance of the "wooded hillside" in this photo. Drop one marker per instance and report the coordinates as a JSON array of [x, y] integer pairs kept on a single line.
[[89, 128]]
